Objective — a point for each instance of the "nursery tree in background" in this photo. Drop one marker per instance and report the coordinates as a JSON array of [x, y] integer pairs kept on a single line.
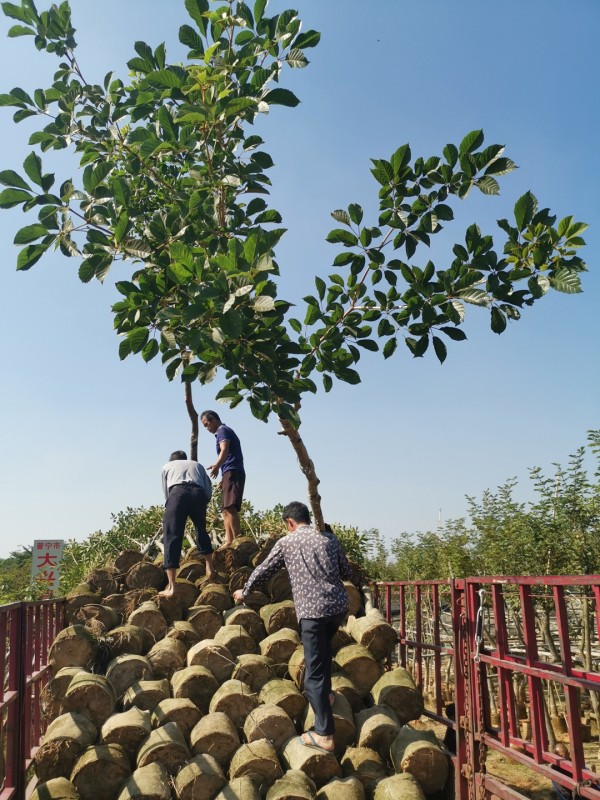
[[173, 186]]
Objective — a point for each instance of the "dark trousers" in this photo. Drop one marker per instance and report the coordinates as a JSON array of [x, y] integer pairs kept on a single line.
[[184, 500], [316, 635]]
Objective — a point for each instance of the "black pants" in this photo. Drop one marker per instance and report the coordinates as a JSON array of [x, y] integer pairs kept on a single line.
[[184, 500], [316, 635]]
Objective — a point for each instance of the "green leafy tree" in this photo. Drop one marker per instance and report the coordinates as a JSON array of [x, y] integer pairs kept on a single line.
[[173, 182]]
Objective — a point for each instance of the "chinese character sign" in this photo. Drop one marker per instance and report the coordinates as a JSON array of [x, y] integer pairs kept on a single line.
[[45, 563]]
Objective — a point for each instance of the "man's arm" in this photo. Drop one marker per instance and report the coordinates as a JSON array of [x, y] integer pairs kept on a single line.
[[164, 484], [223, 453], [272, 564]]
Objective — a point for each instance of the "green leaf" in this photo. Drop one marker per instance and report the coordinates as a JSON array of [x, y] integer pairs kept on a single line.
[[296, 59], [30, 233], [33, 167], [11, 178], [355, 213], [456, 334], [498, 320], [264, 304], [191, 38], [259, 9], [13, 197], [30, 255], [566, 280], [488, 185], [476, 297], [501, 166], [327, 382], [389, 347], [525, 208], [440, 349], [124, 347], [150, 350], [308, 39], [137, 338], [16, 12], [341, 216], [401, 158], [340, 236], [281, 97], [20, 30], [471, 142], [451, 154], [196, 9]]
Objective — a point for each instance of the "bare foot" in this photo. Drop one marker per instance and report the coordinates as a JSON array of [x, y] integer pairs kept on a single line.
[[168, 592], [314, 739]]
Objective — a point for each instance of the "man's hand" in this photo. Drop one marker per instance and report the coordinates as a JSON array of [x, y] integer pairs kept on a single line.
[[213, 471], [238, 596]]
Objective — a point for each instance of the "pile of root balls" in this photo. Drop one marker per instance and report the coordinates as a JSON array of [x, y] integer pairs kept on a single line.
[[195, 698]]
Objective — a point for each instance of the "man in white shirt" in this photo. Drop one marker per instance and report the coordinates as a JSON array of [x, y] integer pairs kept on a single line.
[[187, 489]]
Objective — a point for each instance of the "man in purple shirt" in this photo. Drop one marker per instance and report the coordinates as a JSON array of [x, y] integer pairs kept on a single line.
[[231, 463], [316, 565]]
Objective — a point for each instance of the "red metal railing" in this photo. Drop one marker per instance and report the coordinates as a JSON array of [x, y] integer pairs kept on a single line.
[[26, 633], [507, 644]]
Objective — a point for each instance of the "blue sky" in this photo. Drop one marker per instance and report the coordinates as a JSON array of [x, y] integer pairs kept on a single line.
[[84, 435]]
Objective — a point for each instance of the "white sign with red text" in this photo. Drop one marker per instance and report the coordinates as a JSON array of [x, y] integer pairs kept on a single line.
[[45, 563]]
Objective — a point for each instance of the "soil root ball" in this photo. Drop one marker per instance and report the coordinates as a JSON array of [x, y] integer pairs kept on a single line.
[[152, 622], [258, 760], [64, 741], [239, 789], [73, 647], [92, 695], [279, 615], [197, 684], [400, 787], [145, 575], [128, 729], [236, 639], [55, 789], [166, 657], [294, 785], [378, 726], [123, 671], [181, 711], [206, 620], [359, 664], [148, 783], [398, 690], [283, 693], [320, 767], [124, 640], [214, 657], [342, 789], [236, 700], [271, 722], [146, 695], [279, 647], [366, 765], [165, 745], [53, 693], [216, 735], [100, 772], [200, 779], [419, 753], [253, 670]]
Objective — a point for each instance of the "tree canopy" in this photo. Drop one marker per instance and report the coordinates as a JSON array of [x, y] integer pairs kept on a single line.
[[172, 183]]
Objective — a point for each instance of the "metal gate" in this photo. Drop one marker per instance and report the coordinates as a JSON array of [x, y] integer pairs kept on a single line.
[[518, 658], [26, 634]]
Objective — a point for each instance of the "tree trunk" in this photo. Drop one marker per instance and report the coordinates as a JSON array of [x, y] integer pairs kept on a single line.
[[308, 468], [193, 415]]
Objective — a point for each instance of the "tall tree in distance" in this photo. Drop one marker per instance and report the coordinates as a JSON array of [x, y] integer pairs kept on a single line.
[[173, 182]]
